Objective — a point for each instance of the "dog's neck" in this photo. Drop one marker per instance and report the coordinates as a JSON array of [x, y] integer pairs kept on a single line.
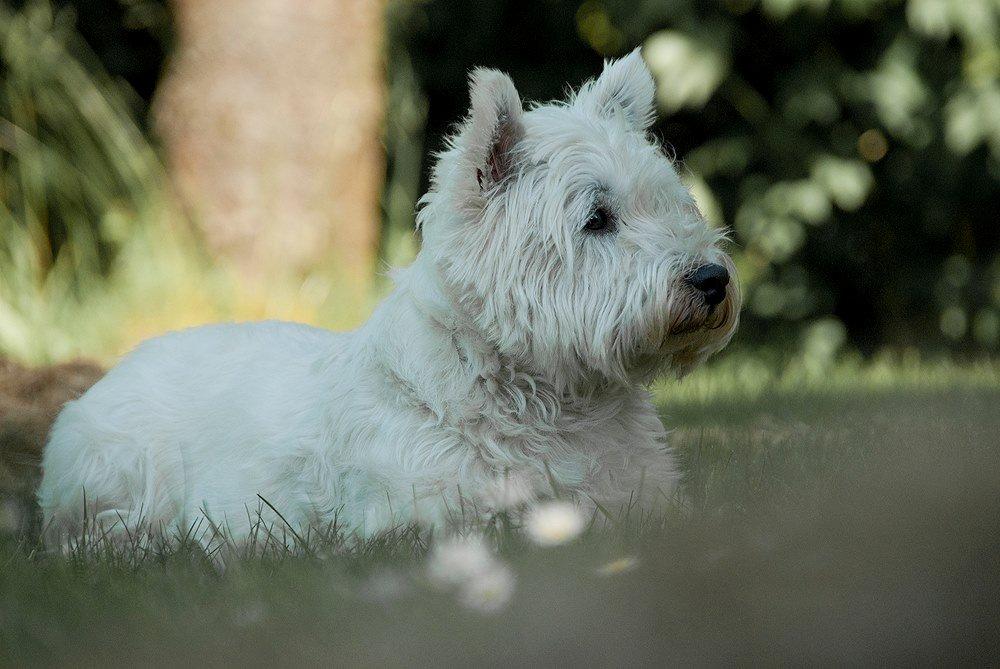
[[425, 319], [431, 359]]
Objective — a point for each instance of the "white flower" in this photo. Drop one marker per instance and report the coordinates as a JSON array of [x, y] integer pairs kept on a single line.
[[554, 523], [484, 583], [457, 559], [489, 591]]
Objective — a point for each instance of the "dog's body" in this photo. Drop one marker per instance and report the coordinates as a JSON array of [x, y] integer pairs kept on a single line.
[[353, 426], [555, 281]]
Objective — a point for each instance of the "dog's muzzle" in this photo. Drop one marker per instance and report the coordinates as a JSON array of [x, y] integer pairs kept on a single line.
[[708, 301]]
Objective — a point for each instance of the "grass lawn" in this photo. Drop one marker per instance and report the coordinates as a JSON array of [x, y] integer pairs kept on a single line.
[[852, 517]]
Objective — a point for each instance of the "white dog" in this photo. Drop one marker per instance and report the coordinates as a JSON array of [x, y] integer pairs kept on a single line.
[[563, 266]]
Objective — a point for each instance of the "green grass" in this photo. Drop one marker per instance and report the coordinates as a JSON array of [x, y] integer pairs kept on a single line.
[[827, 521]]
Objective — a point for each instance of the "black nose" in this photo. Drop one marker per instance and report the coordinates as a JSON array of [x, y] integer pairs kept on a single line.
[[711, 280]]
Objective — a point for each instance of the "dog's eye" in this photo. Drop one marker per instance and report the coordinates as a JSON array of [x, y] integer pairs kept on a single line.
[[599, 221]]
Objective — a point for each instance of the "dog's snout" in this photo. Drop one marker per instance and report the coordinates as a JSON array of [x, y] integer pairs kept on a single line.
[[711, 280]]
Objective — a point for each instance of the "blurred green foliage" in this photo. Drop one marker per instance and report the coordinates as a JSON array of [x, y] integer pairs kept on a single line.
[[88, 236], [852, 146], [72, 151], [73, 167]]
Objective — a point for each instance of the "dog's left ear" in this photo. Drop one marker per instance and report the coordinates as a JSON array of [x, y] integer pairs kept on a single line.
[[493, 127], [625, 86]]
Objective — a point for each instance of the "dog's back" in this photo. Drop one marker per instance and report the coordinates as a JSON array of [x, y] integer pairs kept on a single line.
[[223, 397]]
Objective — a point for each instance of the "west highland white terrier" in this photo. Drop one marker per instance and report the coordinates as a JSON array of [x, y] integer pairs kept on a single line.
[[564, 265]]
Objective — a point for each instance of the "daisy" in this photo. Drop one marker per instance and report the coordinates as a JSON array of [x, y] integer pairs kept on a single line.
[[554, 523]]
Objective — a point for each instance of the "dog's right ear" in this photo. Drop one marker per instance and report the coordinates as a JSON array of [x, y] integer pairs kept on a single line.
[[493, 127]]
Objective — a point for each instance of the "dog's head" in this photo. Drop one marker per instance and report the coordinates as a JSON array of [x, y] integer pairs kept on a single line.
[[569, 238]]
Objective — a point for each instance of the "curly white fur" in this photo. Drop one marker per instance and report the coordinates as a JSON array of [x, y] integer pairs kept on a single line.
[[516, 343]]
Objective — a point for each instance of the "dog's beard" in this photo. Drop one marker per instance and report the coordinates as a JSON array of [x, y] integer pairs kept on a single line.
[[687, 332], [691, 314]]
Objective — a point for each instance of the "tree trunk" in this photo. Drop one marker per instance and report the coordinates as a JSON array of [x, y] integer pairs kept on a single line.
[[271, 114]]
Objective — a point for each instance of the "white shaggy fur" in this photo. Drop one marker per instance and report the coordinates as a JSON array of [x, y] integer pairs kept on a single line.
[[517, 344]]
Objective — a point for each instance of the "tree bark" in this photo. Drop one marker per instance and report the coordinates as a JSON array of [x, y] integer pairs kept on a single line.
[[271, 113]]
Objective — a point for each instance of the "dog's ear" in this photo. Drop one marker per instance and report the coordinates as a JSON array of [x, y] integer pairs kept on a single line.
[[625, 86], [493, 127]]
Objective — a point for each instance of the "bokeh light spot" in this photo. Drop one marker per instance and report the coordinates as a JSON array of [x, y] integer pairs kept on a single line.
[[872, 145], [954, 322], [595, 27]]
